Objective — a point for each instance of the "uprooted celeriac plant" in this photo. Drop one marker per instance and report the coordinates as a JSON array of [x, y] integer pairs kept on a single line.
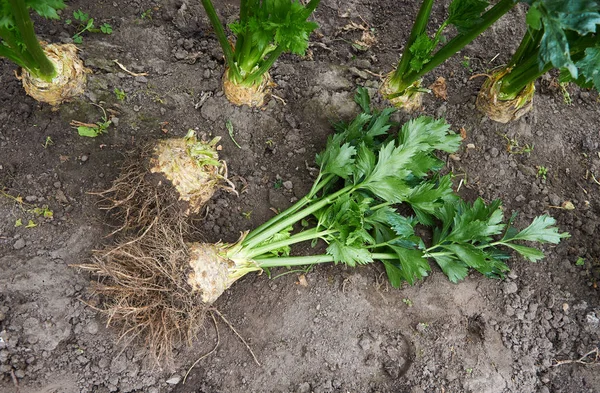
[[52, 73], [560, 34], [265, 30], [173, 178], [402, 87], [365, 176]]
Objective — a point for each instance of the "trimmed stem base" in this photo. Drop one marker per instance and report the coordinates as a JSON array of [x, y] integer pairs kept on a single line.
[[254, 96], [503, 111], [410, 101], [69, 81]]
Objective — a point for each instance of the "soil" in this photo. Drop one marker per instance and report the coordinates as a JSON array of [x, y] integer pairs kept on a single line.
[[333, 329]]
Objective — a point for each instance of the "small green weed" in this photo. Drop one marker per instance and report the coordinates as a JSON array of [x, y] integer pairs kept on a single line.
[[542, 172], [514, 147], [580, 261], [92, 130], [121, 95], [84, 23], [408, 302], [48, 142], [278, 184]]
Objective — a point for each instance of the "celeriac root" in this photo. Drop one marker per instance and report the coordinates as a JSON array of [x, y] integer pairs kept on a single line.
[[499, 110], [69, 81], [167, 180], [253, 96], [410, 101]]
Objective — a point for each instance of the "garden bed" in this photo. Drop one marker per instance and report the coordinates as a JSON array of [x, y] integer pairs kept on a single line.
[[330, 329]]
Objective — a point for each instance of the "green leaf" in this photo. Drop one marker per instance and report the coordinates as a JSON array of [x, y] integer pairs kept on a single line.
[[465, 13], [590, 66], [541, 230], [421, 51], [89, 132], [339, 160], [349, 255], [18, 222], [362, 99], [455, 269], [106, 28], [529, 253], [411, 263]]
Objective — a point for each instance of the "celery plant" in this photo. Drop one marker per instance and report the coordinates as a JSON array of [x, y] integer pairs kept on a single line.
[[265, 30], [421, 53], [561, 34], [18, 41], [364, 175]]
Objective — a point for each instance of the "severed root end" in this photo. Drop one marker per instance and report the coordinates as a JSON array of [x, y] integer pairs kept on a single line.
[[254, 96], [69, 81], [410, 101], [213, 272], [499, 110], [142, 285]]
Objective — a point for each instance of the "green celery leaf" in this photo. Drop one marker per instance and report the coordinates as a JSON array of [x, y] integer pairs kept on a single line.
[[349, 255], [541, 230], [427, 198], [46, 8], [421, 51], [394, 273], [590, 66], [530, 253], [454, 268], [473, 223], [365, 163], [362, 99], [413, 265], [465, 13], [472, 257], [338, 160]]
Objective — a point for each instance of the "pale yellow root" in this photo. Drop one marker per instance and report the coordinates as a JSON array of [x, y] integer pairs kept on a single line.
[[254, 96], [411, 101], [69, 81], [499, 110], [213, 272]]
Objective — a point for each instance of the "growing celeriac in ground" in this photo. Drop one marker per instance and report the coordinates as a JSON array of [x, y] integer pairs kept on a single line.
[[376, 192], [51, 73], [561, 34], [422, 53], [264, 31]]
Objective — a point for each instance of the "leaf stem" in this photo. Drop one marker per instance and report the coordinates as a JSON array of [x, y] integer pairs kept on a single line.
[[294, 218], [303, 236], [405, 79], [310, 260], [223, 41], [42, 67]]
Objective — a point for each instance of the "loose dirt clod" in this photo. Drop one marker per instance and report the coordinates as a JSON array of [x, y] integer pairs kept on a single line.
[[499, 110], [69, 81]]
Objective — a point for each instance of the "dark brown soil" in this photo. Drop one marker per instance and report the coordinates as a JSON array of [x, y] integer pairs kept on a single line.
[[347, 330]]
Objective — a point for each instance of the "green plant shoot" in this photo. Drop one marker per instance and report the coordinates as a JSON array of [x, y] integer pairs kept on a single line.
[[265, 30], [423, 53]]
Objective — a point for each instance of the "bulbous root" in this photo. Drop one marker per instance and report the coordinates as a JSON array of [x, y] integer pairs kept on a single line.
[[170, 180], [410, 101], [213, 272], [254, 96], [503, 111], [67, 84], [142, 285]]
